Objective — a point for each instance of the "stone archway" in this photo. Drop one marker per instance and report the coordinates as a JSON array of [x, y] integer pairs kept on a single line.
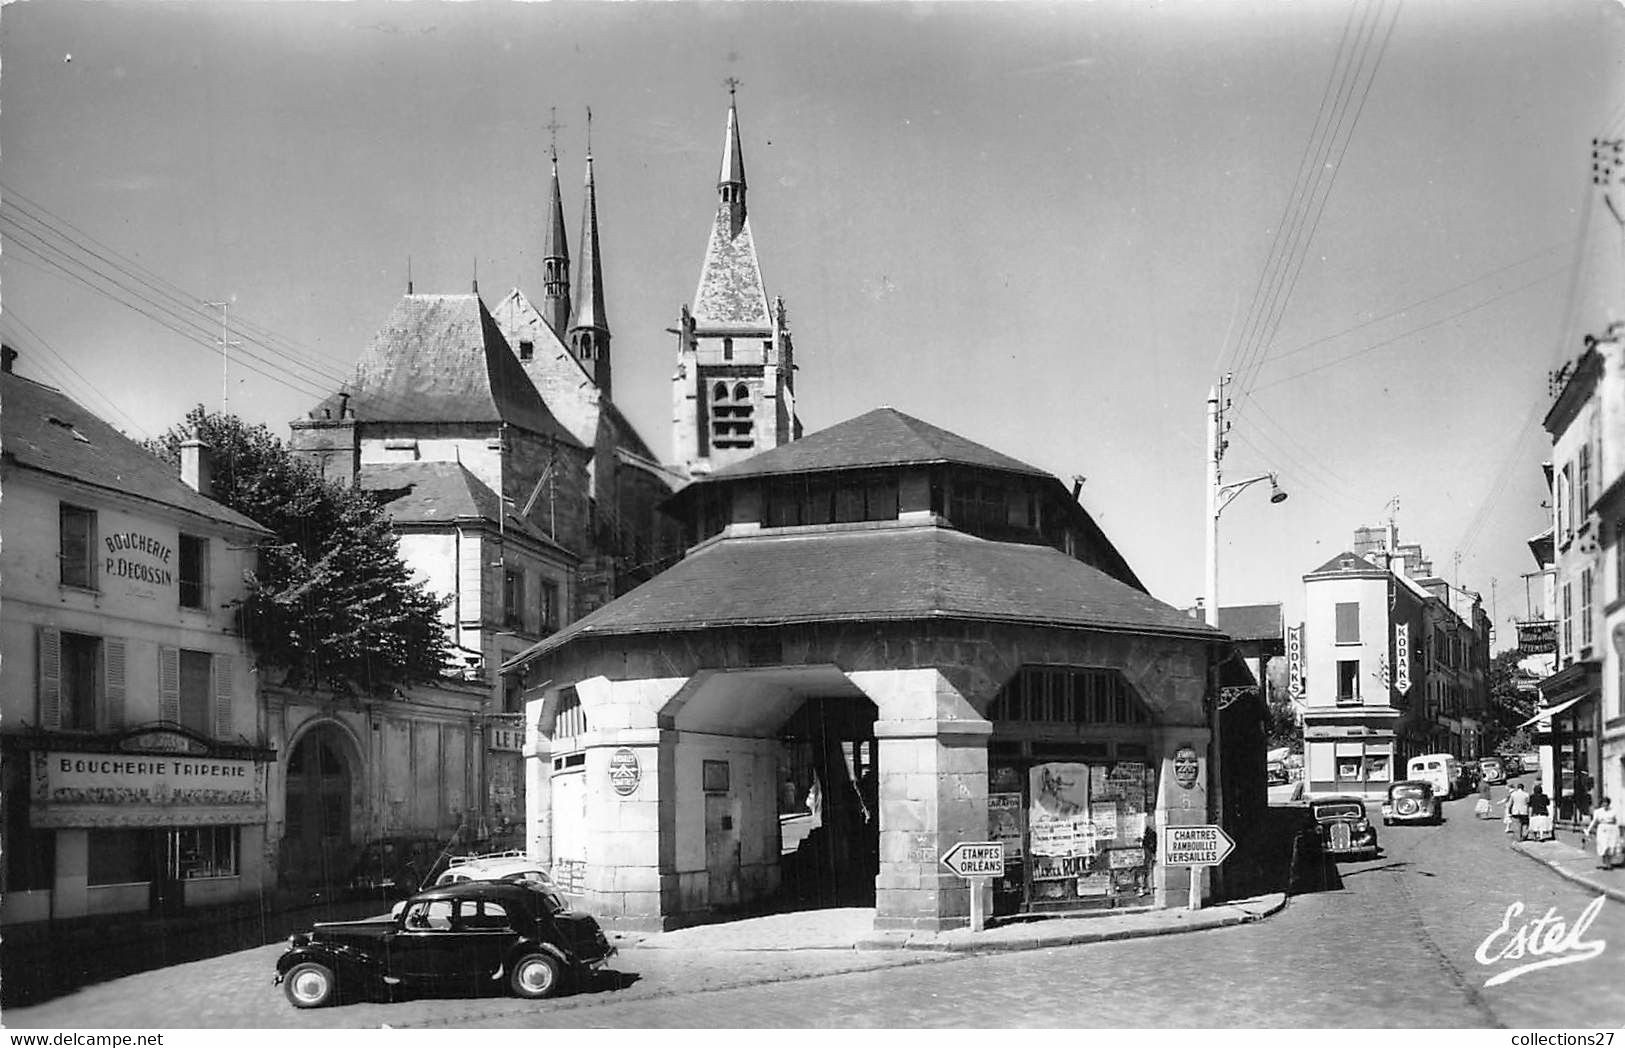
[[320, 782]]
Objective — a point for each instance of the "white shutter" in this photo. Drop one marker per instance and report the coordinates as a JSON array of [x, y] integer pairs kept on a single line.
[[50, 678], [222, 696], [113, 680], [169, 684]]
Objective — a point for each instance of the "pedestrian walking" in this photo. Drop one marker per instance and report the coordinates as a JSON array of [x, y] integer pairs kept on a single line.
[[1605, 824], [1481, 807], [1518, 810], [1540, 814]]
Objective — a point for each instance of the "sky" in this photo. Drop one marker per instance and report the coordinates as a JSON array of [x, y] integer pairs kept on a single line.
[[1049, 227]]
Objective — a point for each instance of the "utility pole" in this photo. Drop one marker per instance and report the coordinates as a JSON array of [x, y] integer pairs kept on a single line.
[[225, 342]]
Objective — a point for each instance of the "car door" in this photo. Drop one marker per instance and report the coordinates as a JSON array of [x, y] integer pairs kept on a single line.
[[424, 950], [486, 934]]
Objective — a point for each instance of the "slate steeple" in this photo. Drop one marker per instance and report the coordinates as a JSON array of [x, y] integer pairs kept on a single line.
[[589, 331], [731, 182], [556, 263]]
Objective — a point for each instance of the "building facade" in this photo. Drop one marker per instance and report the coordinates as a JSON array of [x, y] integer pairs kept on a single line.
[[887, 639], [1394, 665], [136, 762], [1580, 730], [734, 391]]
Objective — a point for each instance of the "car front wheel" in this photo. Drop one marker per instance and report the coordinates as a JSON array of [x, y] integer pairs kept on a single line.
[[536, 975], [309, 985]]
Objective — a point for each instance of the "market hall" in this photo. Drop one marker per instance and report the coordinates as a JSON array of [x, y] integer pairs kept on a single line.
[[887, 639]]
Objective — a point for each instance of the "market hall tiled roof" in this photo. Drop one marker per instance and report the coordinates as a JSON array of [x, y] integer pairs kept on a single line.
[[882, 437], [44, 429], [1248, 621], [890, 572], [442, 358]]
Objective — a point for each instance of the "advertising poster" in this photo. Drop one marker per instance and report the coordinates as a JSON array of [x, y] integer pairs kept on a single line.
[[1004, 822], [1093, 884], [1104, 816], [1127, 858]]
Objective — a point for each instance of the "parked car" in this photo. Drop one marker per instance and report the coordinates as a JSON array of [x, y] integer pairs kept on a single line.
[[1493, 770], [1411, 801], [1275, 773], [468, 937], [495, 866], [1512, 764], [1443, 770], [1344, 828]]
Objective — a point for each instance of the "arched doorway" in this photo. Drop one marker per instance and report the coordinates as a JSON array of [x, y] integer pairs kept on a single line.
[[318, 785]]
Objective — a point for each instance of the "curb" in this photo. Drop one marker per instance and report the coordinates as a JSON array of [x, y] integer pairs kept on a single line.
[[1043, 942], [1569, 875]]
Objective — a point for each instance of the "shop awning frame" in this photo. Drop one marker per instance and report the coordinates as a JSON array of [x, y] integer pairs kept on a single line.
[[1555, 710]]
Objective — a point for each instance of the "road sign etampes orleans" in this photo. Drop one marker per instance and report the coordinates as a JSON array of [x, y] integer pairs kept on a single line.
[[975, 859], [1195, 846]]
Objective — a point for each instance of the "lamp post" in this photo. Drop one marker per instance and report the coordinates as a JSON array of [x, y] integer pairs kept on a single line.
[[1220, 495]]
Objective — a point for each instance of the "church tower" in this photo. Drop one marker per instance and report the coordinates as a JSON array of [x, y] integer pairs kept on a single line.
[[734, 390], [556, 264], [589, 331]]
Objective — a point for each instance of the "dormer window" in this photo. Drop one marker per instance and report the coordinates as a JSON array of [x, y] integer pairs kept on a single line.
[[527, 349]]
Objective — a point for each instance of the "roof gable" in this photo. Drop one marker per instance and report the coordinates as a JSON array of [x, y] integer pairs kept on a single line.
[[429, 493], [442, 358], [1347, 563], [44, 429]]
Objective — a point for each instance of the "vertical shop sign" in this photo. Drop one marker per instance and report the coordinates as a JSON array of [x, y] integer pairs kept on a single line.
[[1294, 661], [1402, 657]]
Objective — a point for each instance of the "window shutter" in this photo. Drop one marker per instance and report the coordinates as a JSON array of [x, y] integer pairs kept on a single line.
[[169, 685], [113, 676], [222, 696], [50, 678]]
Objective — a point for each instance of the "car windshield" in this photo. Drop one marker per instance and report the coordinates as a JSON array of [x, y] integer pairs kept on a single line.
[[1409, 789], [1340, 810]]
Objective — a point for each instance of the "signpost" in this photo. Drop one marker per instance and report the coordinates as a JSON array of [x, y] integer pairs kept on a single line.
[[976, 861], [1196, 846]]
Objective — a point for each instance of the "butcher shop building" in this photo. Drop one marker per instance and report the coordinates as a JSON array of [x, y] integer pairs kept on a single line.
[[885, 639]]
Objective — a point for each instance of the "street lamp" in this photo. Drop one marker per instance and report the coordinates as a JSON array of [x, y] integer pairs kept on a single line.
[[1220, 495]]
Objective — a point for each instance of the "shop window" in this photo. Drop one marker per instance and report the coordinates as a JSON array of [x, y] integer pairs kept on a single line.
[[1348, 681], [119, 856], [206, 851], [1348, 623], [77, 528], [193, 565]]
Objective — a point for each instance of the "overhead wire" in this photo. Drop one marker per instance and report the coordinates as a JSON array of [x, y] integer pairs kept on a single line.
[[10, 316]]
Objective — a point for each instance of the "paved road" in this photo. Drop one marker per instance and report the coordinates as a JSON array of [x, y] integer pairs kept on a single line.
[[1394, 945]]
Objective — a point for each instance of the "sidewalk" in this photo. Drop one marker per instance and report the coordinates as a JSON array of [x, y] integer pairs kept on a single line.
[[848, 929], [1577, 864]]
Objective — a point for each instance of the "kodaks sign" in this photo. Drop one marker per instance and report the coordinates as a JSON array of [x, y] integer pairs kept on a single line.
[[91, 789]]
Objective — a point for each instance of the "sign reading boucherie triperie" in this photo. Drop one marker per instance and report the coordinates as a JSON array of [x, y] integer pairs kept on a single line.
[[1195, 846], [90, 789]]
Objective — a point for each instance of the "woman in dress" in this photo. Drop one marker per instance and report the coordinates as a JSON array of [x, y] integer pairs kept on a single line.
[[1605, 825]]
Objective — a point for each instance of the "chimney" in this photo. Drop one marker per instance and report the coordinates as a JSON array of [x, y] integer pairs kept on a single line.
[[196, 471], [8, 357]]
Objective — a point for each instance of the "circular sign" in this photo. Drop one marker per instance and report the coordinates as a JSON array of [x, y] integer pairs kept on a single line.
[[1186, 766], [624, 773]]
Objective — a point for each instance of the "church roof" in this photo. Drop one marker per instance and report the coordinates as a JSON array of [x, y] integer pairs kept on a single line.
[[439, 493], [554, 243], [733, 157], [882, 437], [44, 429], [442, 358], [894, 573]]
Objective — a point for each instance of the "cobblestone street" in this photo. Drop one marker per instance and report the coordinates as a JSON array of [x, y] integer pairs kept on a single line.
[[1393, 946]]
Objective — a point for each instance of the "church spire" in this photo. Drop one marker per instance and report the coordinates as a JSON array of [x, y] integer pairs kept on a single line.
[[589, 332], [731, 182], [556, 263]]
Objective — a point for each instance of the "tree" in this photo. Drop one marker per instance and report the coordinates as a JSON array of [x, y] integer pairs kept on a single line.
[[1282, 726], [330, 604], [1512, 699]]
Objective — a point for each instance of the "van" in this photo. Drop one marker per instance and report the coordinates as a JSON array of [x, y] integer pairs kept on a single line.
[[1441, 770]]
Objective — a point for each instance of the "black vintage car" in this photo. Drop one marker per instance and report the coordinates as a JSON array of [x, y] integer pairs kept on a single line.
[[1343, 826], [470, 938]]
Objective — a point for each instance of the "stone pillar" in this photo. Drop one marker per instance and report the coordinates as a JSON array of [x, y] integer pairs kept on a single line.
[[933, 794], [1178, 805]]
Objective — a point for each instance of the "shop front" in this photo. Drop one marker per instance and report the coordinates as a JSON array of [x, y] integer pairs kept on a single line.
[[155, 820], [1568, 730], [1350, 759]]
